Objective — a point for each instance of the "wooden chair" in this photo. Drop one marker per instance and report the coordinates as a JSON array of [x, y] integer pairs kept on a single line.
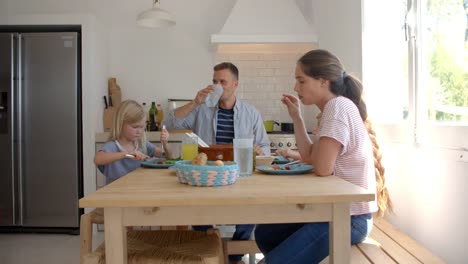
[[156, 246]]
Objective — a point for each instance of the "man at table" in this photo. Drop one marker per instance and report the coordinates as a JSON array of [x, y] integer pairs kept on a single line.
[[221, 123]]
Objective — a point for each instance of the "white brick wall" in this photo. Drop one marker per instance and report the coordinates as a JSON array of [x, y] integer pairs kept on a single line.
[[263, 78]]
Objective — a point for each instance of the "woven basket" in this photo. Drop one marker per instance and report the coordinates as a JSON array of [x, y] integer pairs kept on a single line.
[[208, 175]]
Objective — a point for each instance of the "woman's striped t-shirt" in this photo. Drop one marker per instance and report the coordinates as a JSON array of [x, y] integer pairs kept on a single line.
[[341, 121]]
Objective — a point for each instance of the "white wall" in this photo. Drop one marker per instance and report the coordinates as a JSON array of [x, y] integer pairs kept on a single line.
[[427, 184], [3, 12], [340, 31]]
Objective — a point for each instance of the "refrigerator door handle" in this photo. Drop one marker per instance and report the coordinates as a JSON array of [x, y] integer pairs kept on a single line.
[[19, 122], [14, 68]]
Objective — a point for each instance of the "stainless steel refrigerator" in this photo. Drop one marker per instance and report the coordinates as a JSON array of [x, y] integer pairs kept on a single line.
[[40, 131]]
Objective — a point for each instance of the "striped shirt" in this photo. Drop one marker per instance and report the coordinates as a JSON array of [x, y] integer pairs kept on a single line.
[[355, 163], [203, 121], [225, 126]]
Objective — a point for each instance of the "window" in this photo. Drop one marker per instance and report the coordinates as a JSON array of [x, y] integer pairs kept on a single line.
[[415, 67], [444, 63], [385, 61]]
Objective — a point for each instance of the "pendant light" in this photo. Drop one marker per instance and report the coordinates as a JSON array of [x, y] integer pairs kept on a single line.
[[155, 17]]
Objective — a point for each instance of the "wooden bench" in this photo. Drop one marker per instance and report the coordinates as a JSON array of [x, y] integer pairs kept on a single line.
[[386, 244]]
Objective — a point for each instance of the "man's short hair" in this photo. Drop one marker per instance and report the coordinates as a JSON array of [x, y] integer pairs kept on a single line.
[[227, 65]]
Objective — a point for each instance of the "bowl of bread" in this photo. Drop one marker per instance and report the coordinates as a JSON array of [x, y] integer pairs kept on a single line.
[[202, 172]]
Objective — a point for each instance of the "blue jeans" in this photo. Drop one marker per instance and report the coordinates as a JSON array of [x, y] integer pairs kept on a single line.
[[305, 243], [243, 232]]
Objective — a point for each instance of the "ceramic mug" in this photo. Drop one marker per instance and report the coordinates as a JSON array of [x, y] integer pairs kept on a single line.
[[269, 125], [287, 127]]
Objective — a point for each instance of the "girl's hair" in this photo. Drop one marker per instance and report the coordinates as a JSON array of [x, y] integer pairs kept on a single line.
[[128, 112], [323, 64]]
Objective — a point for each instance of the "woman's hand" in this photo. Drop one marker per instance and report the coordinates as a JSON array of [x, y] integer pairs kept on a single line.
[[292, 103], [283, 152], [288, 153]]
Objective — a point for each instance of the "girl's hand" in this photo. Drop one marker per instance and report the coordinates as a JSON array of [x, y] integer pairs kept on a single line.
[[164, 136], [139, 156], [292, 102]]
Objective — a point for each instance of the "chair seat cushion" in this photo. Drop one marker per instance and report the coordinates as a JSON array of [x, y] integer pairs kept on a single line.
[[169, 247]]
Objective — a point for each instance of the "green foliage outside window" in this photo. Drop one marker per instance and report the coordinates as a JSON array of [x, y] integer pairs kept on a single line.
[[448, 66]]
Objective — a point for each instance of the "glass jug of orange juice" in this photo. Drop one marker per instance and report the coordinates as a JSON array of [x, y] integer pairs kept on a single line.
[[189, 147]]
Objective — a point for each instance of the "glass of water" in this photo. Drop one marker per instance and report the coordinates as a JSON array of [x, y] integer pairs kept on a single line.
[[213, 98], [243, 155]]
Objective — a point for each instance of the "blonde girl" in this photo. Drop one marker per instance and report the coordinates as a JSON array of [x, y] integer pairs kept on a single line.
[[127, 147], [344, 146]]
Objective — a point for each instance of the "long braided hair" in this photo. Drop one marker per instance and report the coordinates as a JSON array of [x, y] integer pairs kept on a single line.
[[323, 64]]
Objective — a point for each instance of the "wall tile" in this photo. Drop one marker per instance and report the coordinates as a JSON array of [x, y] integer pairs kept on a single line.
[[263, 79]]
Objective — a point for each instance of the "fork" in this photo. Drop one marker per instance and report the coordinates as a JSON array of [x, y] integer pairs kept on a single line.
[[162, 144], [291, 163]]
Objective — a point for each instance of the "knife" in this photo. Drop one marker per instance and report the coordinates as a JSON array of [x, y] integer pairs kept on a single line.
[[105, 102]]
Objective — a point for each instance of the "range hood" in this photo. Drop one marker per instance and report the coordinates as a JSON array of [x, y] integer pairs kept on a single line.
[[265, 21]]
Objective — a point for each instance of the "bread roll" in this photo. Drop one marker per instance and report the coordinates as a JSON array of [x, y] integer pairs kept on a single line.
[[218, 163], [200, 159]]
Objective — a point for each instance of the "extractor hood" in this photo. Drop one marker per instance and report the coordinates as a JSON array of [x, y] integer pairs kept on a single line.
[[265, 21]]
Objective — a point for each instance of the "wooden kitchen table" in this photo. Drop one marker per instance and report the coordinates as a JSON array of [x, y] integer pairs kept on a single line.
[[154, 197]]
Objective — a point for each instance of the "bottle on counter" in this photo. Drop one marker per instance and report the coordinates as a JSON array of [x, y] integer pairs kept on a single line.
[[153, 112], [160, 115], [146, 109]]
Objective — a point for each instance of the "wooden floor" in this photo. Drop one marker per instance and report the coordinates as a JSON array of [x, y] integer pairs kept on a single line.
[[386, 244]]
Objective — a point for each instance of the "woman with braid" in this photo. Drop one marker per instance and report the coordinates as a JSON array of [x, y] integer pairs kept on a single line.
[[344, 146]]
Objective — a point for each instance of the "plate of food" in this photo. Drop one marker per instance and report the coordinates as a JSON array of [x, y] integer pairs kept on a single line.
[[280, 160], [276, 169], [159, 163]]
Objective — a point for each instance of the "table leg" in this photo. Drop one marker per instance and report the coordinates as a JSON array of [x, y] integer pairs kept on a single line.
[[115, 235], [340, 234]]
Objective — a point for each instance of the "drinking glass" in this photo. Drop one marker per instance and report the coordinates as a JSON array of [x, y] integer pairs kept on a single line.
[[243, 155], [189, 147], [213, 98]]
